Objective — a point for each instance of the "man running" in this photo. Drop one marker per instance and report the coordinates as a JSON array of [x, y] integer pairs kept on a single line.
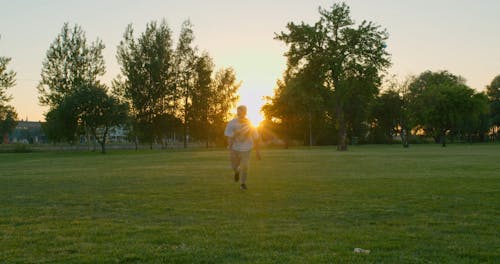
[[242, 136]]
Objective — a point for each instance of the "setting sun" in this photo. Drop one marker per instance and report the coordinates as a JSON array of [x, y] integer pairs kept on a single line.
[[253, 109]]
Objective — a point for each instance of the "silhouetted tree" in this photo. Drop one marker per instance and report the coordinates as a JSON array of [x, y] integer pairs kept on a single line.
[[8, 115], [493, 92], [349, 60], [299, 105], [148, 77], [185, 62], [224, 97], [386, 116], [441, 103], [98, 111], [203, 96], [70, 63]]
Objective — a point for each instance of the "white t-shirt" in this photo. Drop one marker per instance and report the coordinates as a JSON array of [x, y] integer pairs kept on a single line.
[[242, 133]]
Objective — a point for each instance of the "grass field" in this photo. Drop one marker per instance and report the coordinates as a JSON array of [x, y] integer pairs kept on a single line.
[[425, 204]]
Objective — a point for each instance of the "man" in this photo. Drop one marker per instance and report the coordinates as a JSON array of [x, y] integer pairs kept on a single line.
[[241, 138]]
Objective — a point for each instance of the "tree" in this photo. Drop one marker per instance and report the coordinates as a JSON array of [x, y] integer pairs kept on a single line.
[[203, 96], [225, 91], [298, 106], [493, 92], [389, 113], [185, 61], [7, 80], [88, 109], [476, 119], [8, 115], [61, 123], [70, 63], [148, 78], [386, 116], [8, 121], [349, 59], [441, 104], [97, 111]]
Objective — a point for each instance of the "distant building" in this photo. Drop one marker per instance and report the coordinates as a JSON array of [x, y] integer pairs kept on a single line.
[[28, 132], [118, 134]]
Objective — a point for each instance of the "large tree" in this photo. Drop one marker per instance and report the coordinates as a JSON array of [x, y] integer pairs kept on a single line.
[[389, 113], [185, 62], [386, 116], [61, 122], [493, 92], [203, 96], [148, 78], [70, 63], [225, 95], [8, 115], [349, 60], [441, 104], [89, 109], [98, 112], [298, 106]]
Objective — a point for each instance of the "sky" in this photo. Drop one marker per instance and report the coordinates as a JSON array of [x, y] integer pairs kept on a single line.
[[461, 36]]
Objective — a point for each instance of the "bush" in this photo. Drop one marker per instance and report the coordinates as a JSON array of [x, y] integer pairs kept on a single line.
[[21, 148]]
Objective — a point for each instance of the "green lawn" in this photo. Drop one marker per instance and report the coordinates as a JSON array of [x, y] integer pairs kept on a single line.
[[425, 204]]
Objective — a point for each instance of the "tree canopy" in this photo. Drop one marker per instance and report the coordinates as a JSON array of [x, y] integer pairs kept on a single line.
[[493, 92], [70, 63], [8, 115], [344, 59]]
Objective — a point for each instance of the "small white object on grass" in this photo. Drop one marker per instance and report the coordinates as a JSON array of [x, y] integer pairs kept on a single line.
[[361, 251]]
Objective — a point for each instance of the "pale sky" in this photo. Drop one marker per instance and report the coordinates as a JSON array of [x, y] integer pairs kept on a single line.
[[461, 36]]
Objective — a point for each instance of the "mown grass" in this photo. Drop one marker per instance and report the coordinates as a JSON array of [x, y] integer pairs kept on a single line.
[[425, 204]]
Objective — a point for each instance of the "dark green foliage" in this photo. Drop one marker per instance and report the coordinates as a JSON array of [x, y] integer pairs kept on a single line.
[[147, 81], [7, 80], [61, 123], [70, 63], [441, 103], [493, 92], [8, 121], [90, 109], [173, 91], [343, 60], [386, 117], [8, 115]]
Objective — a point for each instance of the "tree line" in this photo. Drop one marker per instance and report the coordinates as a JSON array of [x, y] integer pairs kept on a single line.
[[161, 89], [330, 91]]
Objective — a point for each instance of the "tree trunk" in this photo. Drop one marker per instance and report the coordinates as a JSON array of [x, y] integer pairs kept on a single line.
[[185, 121], [103, 141], [310, 130], [5, 139], [185, 135], [103, 146], [342, 133], [443, 139]]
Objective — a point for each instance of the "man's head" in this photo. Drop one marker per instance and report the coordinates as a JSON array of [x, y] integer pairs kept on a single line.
[[241, 111]]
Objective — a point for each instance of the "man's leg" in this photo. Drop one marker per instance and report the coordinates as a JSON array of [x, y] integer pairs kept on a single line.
[[244, 161], [235, 164]]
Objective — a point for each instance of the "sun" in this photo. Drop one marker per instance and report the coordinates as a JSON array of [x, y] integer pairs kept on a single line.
[[256, 118], [253, 111]]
